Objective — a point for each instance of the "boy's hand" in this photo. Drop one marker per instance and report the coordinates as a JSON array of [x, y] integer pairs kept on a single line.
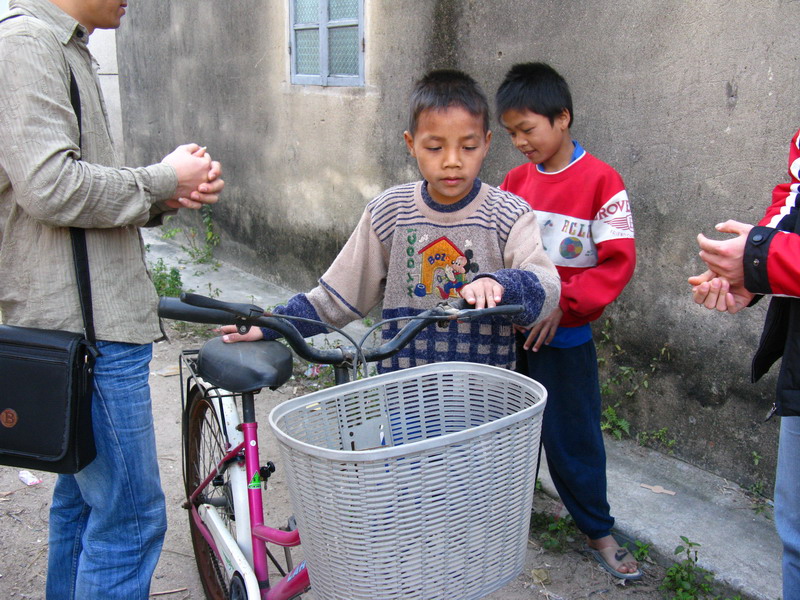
[[544, 331], [482, 293], [229, 334]]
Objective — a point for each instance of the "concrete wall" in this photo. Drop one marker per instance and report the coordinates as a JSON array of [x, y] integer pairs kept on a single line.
[[103, 45], [691, 101]]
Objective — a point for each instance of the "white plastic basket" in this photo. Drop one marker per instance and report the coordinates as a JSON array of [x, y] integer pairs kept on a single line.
[[416, 484]]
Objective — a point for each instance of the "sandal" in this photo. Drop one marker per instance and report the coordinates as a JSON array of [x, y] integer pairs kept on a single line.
[[620, 555]]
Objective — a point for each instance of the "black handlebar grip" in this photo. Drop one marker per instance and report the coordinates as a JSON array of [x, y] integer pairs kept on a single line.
[[173, 308], [247, 311], [503, 310]]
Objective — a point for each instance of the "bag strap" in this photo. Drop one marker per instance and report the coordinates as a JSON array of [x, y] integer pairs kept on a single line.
[[79, 253]]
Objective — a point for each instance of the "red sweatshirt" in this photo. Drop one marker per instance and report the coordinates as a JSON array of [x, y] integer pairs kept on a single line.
[[587, 229]]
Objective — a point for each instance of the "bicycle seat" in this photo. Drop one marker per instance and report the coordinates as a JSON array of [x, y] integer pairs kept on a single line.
[[244, 366]]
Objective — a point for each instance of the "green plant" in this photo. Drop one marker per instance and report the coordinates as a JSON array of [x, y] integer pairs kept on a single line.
[[686, 580], [612, 423], [555, 533], [642, 551], [761, 505], [622, 379], [658, 439], [313, 375], [213, 292], [198, 245], [756, 458], [166, 279]]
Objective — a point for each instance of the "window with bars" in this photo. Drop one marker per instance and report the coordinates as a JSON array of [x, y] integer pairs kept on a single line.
[[327, 42]]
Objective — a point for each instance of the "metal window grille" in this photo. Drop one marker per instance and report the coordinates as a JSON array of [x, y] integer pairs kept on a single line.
[[327, 42]]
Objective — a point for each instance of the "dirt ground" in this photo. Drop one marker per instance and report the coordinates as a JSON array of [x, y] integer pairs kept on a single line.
[[551, 575]]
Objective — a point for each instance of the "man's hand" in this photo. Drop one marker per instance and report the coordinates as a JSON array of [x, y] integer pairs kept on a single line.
[[543, 332], [482, 293], [198, 177]]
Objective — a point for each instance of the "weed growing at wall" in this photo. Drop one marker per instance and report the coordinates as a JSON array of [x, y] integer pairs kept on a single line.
[[642, 551], [198, 245], [613, 424], [555, 533], [658, 439], [166, 279], [686, 580], [620, 382]]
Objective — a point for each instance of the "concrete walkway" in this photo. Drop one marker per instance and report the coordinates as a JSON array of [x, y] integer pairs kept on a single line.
[[738, 544]]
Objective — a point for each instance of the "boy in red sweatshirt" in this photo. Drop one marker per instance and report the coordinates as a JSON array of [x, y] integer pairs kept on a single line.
[[587, 230]]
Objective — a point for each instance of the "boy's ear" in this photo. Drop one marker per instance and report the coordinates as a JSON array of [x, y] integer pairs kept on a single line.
[[409, 142], [563, 119], [488, 142]]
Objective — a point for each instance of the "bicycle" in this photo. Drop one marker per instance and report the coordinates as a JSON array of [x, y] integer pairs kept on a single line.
[[224, 476]]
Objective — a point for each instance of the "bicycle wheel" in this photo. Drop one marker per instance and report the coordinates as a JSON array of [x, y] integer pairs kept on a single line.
[[205, 445]]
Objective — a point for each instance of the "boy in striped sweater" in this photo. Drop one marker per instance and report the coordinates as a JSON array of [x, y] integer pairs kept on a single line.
[[587, 229], [446, 236]]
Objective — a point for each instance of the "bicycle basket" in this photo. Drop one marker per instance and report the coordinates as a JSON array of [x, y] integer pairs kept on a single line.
[[414, 484]]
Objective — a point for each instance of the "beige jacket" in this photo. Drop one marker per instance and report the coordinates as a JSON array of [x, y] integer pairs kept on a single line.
[[46, 189]]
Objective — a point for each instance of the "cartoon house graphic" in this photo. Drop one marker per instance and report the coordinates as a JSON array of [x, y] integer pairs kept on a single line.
[[438, 259]]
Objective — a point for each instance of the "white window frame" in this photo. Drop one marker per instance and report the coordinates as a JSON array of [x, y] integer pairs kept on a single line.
[[324, 25]]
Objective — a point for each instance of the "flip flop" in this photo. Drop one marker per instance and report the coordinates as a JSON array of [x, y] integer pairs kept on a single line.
[[620, 555]]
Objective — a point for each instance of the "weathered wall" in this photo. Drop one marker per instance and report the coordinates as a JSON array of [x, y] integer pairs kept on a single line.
[[691, 102]]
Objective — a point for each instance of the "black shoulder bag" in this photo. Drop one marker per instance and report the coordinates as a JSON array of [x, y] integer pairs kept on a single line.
[[46, 380]]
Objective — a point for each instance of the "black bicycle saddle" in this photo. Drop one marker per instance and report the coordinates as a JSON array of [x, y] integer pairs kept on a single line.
[[244, 366]]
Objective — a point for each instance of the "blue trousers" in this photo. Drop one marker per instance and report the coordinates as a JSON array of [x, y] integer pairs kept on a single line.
[[571, 435], [107, 522], [787, 504]]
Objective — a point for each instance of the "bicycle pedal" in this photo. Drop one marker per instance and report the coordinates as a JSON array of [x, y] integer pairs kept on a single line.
[[267, 470]]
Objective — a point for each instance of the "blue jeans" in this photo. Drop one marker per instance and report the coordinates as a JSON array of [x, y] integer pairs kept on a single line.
[[571, 434], [787, 504], [107, 522]]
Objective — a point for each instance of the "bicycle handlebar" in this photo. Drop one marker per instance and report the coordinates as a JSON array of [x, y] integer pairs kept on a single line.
[[201, 309]]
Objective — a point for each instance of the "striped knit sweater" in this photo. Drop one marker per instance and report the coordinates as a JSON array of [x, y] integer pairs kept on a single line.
[[411, 253]]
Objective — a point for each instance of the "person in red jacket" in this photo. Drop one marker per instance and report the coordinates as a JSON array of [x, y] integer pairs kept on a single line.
[[587, 229], [763, 260]]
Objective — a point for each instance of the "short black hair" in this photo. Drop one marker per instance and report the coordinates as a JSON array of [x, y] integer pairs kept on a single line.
[[536, 87], [444, 88]]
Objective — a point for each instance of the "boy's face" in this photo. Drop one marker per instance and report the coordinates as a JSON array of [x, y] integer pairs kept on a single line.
[[449, 146], [542, 143]]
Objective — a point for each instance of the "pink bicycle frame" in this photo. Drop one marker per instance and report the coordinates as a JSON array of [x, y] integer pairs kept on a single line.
[[296, 581]]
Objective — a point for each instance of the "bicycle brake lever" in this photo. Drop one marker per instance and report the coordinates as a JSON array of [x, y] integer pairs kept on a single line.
[[450, 309]]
